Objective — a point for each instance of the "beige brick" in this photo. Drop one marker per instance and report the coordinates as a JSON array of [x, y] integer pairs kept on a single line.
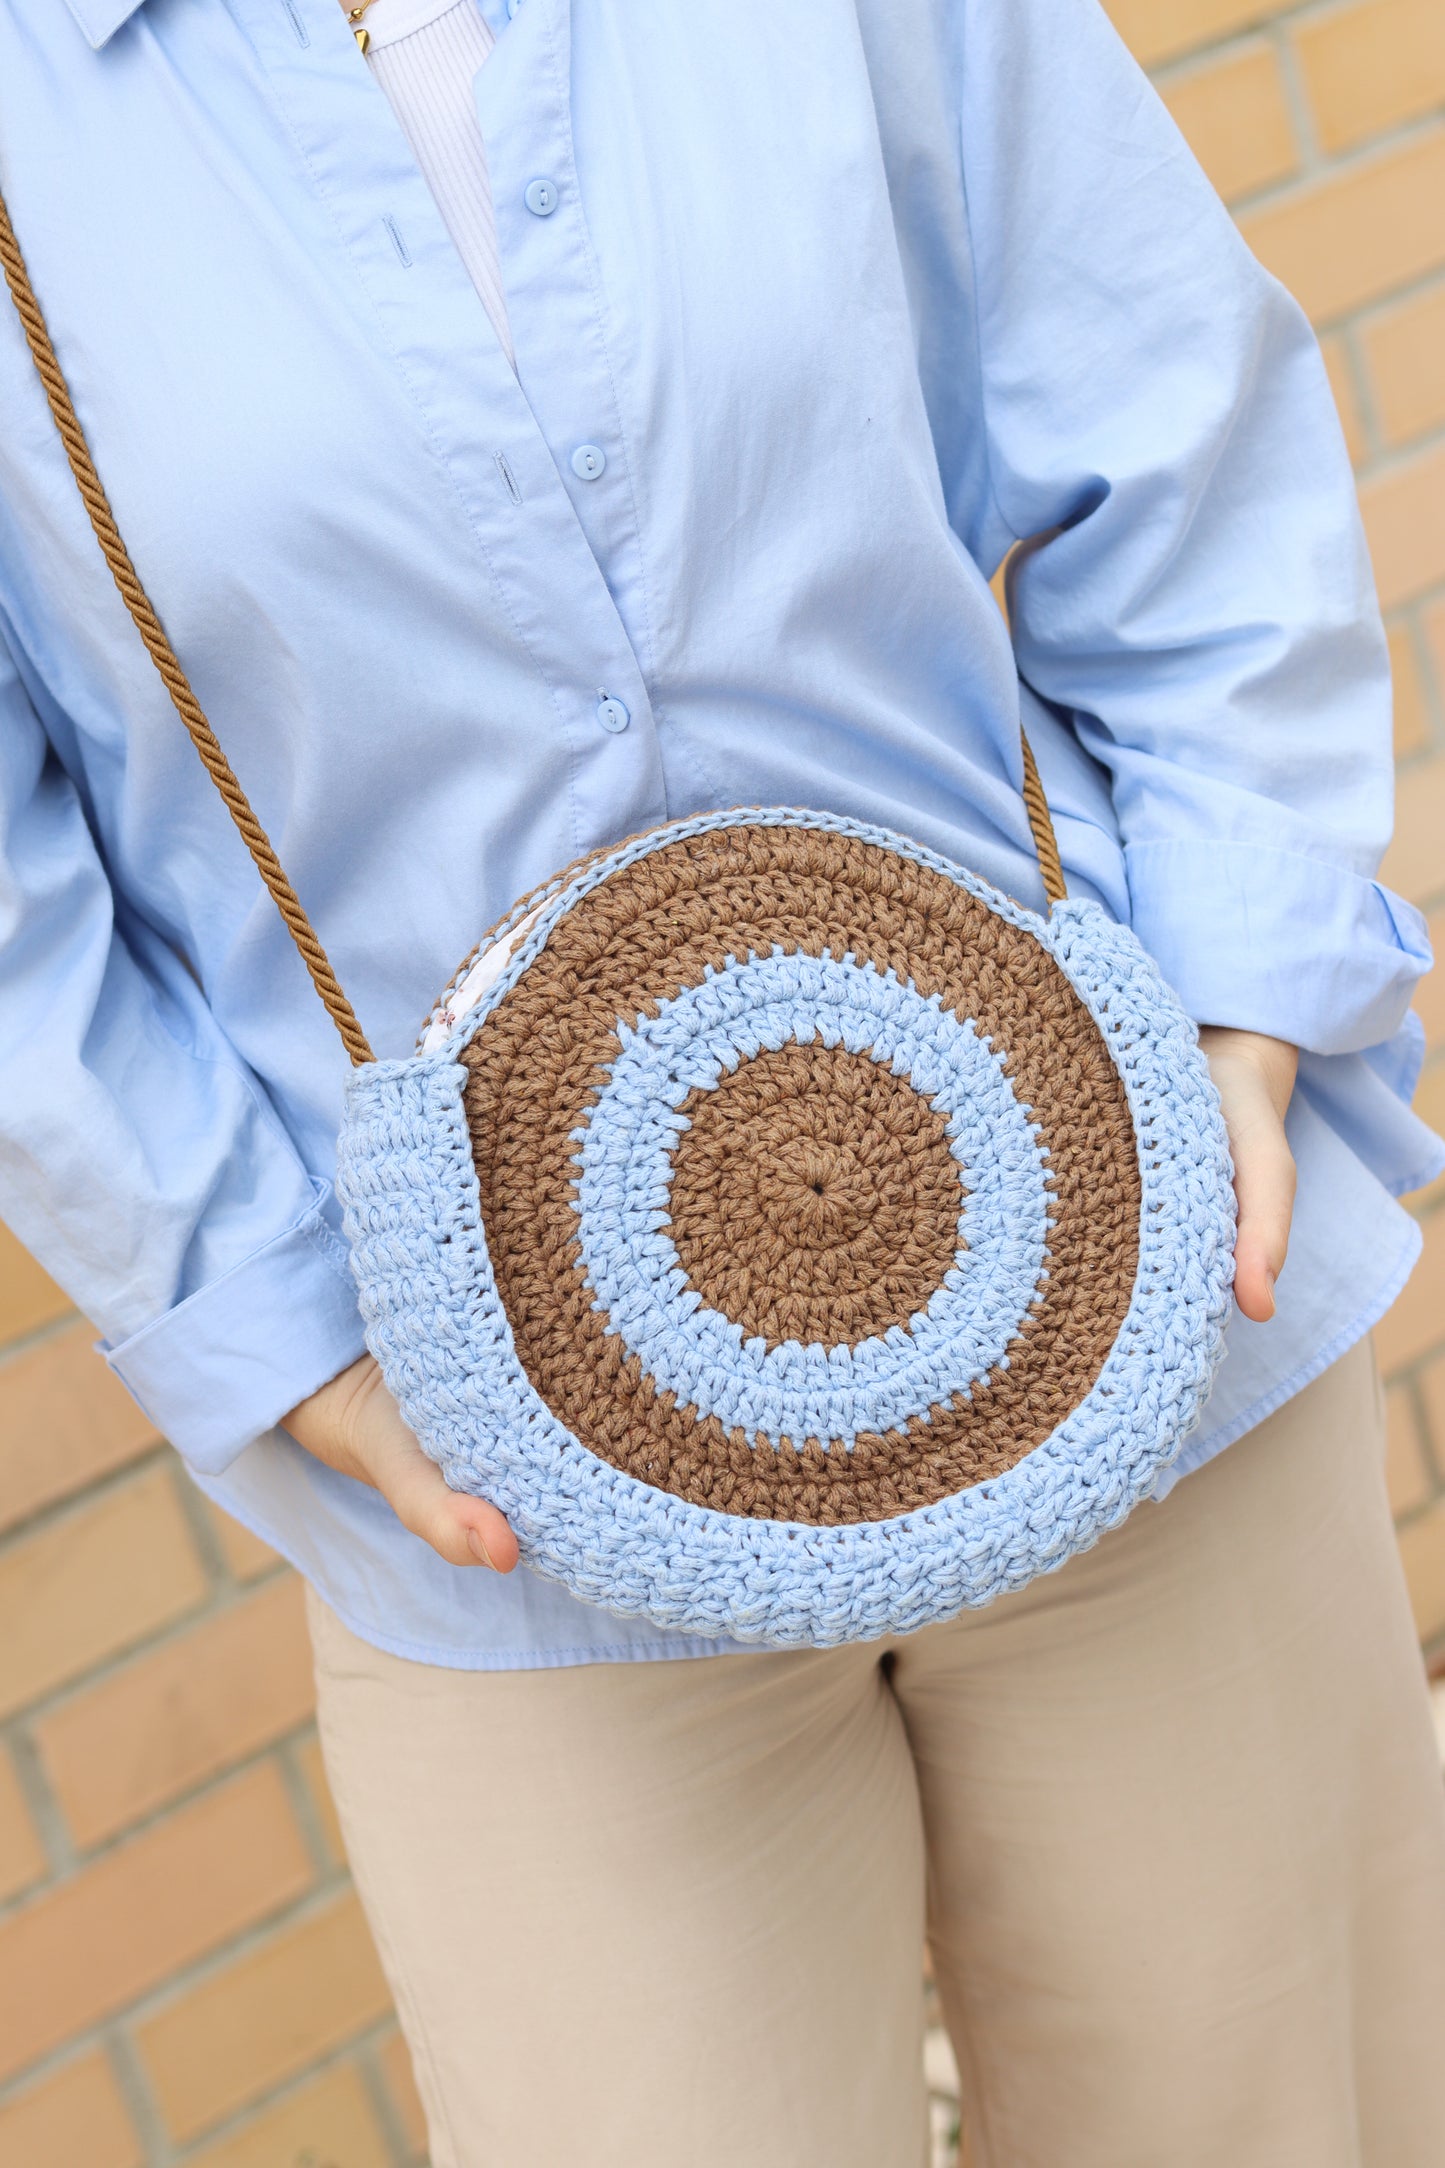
[[73, 2119], [1422, 1551], [1156, 30], [1416, 1324], [180, 1713], [1412, 716], [1406, 1470], [64, 1421], [28, 1297], [1370, 67], [1414, 865], [1423, 1201], [395, 2059], [1404, 353], [246, 2030], [97, 1581], [1432, 1385], [313, 1771], [326, 2124], [1235, 117], [1405, 522], [1430, 1095], [246, 1556], [1430, 1106], [82, 1950], [1432, 617], [323, 2125], [1358, 234], [1347, 397], [1429, 1000], [22, 1856]]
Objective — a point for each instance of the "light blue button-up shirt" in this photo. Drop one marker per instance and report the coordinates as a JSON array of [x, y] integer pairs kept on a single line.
[[823, 308]]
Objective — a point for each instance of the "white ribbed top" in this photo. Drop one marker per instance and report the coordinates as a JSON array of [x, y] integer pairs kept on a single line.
[[425, 55]]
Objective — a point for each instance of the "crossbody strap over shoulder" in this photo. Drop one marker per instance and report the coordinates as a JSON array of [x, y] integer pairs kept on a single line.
[[192, 715], [163, 655]]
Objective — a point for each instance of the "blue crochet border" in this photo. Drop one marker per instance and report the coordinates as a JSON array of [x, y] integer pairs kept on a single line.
[[436, 1325]]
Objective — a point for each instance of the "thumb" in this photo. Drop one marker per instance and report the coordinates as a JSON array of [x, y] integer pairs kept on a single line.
[[465, 1531], [1264, 1188]]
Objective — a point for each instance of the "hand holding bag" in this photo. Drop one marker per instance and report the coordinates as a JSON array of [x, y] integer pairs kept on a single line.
[[795, 1238]]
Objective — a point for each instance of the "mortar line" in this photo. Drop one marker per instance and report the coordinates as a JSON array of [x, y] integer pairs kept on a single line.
[[76, 1502], [80, 1861], [136, 2091], [276, 2096], [34, 1336]]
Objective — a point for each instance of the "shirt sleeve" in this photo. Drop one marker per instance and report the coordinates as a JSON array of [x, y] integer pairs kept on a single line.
[[140, 1159], [1193, 595]]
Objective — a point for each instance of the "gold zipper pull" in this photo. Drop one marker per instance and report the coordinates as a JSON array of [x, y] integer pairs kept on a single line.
[[358, 28]]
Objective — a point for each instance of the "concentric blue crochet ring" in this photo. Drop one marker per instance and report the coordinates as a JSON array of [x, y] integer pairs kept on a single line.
[[797, 1239], [792, 1390]]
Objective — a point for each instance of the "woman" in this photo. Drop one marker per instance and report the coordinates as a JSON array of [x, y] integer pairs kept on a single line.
[[537, 421]]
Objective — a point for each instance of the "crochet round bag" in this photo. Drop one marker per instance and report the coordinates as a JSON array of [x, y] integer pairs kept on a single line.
[[796, 1238]]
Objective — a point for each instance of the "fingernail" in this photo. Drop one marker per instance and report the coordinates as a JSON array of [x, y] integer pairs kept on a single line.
[[478, 1549]]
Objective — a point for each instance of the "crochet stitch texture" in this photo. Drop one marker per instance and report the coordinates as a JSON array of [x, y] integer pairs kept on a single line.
[[859, 1248]]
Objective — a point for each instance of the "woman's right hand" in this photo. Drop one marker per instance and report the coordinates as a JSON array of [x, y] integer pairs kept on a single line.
[[354, 1426]]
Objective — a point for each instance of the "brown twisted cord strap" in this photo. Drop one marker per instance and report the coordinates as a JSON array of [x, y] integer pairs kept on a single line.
[[163, 655], [1046, 843], [191, 713]]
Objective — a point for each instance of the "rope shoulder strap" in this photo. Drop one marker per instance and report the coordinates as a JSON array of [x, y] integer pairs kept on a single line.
[[163, 655], [191, 713], [1041, 825]]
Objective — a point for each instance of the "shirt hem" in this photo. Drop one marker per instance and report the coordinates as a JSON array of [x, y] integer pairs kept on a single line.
[[451, 1658], [669, 1648], [1269, 1403]]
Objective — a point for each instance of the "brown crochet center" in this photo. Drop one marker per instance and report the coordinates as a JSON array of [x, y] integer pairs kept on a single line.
[[814, 1196]]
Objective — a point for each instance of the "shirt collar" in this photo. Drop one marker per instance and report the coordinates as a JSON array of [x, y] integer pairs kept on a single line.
[[100, 19]]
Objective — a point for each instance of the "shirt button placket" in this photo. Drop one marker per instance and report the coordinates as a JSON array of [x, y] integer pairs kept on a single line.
[[542, 196]]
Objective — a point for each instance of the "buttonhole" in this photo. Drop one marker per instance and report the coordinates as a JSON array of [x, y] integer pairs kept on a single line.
[[396, 240], [513, 490], [303, 35]]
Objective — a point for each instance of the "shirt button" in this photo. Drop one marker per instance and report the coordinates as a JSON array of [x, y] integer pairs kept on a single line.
[[611, 714], [540, 198], [588, 461]]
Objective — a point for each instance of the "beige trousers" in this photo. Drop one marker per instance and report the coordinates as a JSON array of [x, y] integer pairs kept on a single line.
[[1173, 1816]]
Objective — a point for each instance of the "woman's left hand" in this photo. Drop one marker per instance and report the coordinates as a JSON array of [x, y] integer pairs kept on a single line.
[[1254, 1076]]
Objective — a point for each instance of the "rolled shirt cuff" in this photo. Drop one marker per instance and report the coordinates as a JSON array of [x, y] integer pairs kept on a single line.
[[227, 1363], [1272, 941]]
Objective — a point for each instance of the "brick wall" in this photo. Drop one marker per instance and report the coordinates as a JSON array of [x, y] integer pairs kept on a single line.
[[1323, 127], [184, 1971], [184, 1975]]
